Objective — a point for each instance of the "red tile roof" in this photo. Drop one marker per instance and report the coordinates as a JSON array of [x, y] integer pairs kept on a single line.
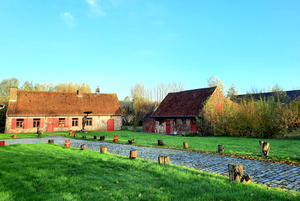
[[62, 103], [184, 103]]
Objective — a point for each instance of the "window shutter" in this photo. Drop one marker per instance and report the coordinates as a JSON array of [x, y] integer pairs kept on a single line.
[[67, 122], [25, 123], [56, 122], [13, 123], [42, 123]]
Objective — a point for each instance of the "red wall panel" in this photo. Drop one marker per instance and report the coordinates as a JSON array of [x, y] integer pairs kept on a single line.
[[41, 123], [110, 125], [13, 123]]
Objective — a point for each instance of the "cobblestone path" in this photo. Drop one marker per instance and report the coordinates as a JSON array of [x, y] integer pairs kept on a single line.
[[262, 172]]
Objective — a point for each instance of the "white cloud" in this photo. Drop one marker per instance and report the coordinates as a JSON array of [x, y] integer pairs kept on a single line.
[[92, 3], [95, 8], [68, 19]]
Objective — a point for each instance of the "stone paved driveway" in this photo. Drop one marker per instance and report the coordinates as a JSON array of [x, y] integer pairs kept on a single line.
[[262, 172]]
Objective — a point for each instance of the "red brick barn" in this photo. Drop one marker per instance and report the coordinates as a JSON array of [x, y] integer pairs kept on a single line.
[[178, 111], [61, 111]]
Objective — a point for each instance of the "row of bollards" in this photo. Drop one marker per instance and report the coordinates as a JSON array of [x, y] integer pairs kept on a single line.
[[236, 172]]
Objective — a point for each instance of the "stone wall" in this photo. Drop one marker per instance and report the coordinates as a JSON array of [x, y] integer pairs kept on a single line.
[[177, 125], [98, 123]]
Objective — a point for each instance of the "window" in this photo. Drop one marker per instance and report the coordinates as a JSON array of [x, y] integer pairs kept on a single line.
[[74, 121], [184, 121], [89, 121], [20, 123], [61, 122], [36, 123]]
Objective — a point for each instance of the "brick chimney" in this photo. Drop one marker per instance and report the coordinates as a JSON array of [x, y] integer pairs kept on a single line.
[[79, 93], [13, 94], [98, 90]]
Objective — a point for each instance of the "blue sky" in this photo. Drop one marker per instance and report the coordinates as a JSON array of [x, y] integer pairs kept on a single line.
[[118, 43]]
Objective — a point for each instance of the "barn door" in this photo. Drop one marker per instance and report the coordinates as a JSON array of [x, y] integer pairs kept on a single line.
[[152, 126], [50, 124], [193, 126], [168, 126], [110, 125]]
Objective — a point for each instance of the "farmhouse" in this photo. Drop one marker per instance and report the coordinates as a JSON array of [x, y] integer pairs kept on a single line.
[[61, 111], [178, 111]]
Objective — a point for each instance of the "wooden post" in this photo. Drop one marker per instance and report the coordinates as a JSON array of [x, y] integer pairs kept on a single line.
[[221, 149], [102, 138], [84, 136], [264, 148], [133, 154], [50, 141], [83, 147], [95, 137], [246, 179], [163, 160], [160, 142], [185, 145], [103, 149], [235, 172], [75, 135]]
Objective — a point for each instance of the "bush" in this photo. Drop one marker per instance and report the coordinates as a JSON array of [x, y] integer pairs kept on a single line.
[[262, 118], [189, 134]]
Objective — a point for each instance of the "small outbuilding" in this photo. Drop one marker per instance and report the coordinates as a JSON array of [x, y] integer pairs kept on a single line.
[[178, 111]]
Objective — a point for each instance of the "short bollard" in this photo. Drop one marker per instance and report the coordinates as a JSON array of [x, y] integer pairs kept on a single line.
[[75, 135], [70, 133], [264, 148], [185, 145], [50, 141], [133, 154], [2, 143], [163, 160], [83, 147], [102, 138], [67, 143], [236, 172], [220, 149], [160, 143], [103, 149], [15, 136], [84, 136], [95, 137], [116, 138]]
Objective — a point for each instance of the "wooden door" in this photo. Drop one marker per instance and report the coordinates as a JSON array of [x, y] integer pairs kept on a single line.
[[193, 126], [110, 125], [168, 126], [152, 126], [50, 124]]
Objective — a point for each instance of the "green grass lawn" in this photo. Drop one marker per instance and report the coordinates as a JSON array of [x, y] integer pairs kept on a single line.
[[52, 172], [281, 150]]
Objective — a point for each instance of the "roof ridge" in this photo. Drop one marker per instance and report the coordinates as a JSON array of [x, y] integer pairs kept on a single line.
[[192, 90]]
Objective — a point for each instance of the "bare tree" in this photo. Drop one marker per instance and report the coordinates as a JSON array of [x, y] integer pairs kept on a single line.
[[214, 81]]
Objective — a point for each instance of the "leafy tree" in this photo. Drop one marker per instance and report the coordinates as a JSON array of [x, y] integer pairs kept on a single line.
[[232, 92], [5, 86], [127, 99], [214, 81], [73, 87], [28, 86]]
